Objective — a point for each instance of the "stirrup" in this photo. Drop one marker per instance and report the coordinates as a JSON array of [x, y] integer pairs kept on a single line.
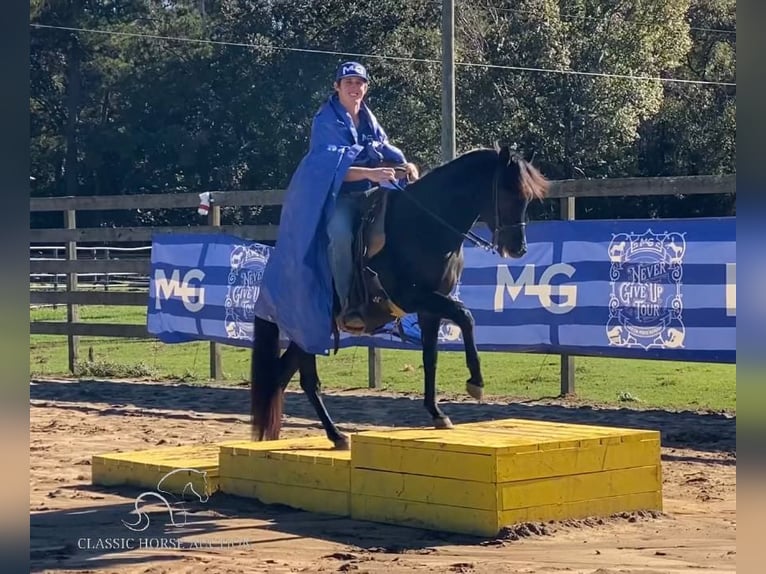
[[347, 313]]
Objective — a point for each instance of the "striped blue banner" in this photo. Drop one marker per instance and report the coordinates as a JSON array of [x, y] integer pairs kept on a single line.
[[660, 289]]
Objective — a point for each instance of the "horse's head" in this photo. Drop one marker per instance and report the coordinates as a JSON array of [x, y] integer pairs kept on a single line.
[[515, 183]]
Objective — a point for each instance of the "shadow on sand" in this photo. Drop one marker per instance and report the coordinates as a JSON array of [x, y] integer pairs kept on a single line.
[[95, 537], [710, 432]]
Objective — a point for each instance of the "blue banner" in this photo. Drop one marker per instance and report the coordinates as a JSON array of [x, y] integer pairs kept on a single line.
[[659, 289]]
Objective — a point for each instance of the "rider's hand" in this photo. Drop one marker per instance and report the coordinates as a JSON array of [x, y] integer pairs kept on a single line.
[[381, 174]]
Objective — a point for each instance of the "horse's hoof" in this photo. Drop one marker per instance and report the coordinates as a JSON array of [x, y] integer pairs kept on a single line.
[[475, 391], [342, 444], [442, 423]]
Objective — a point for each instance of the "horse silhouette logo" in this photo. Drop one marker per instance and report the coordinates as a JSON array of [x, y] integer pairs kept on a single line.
[[162, 495], [645, 303]]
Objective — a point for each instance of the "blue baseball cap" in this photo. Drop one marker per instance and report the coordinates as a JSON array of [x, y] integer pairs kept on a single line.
[[351, 70]]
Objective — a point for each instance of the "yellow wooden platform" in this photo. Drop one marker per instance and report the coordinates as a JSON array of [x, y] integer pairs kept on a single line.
[[304, 473], [474, 478], [477, 478], [146, 468]]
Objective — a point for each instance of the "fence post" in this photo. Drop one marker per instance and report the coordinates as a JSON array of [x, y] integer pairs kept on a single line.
[[373, 367], [567, 361], [72, 311], [216, 372]]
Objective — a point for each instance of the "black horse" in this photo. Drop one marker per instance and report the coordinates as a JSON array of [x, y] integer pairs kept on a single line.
[[418, 266]]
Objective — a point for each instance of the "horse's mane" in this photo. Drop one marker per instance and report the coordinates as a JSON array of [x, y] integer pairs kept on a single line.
[[532, 182], [445, 168]]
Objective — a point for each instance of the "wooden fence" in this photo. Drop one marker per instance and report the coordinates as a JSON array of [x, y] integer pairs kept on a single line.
[[566, 191]]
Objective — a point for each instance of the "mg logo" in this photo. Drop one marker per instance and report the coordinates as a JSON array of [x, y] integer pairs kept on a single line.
[[192, 296], [566, 294]]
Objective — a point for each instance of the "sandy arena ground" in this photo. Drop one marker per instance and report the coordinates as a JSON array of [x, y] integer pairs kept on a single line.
[[71, 421]]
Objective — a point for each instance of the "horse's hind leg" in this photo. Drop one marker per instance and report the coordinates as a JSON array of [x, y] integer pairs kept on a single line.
[[288, 365], [311, 385], [265, 388], [429, 332]]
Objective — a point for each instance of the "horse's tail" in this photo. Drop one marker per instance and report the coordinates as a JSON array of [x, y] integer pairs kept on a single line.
[[266, 394]]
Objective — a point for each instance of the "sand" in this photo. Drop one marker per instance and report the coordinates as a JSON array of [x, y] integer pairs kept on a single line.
[[71, 421]]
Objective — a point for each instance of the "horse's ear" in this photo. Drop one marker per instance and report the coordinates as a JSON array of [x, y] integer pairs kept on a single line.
[[505, 155]]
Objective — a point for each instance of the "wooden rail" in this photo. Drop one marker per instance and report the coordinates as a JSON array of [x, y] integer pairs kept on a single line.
[[567, 191]]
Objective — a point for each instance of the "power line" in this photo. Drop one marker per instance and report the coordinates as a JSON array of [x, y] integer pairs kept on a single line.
[[384, 57]]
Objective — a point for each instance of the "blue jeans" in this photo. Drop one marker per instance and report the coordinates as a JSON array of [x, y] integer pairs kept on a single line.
[[340, 230]]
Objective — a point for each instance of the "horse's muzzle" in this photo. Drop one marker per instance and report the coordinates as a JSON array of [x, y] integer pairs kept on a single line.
[[518, 253], [512, 241]]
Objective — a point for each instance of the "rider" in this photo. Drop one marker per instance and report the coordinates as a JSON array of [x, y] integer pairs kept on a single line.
[[351, 85]]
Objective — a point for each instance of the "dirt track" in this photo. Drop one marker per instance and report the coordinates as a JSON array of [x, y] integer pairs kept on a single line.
[[71, 421]]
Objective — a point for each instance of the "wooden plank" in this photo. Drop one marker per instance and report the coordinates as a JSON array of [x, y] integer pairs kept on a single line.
[[577, 461], [117, 234], [374, 368], [334, 502], [487, 523], [536, 428], [196, 464], [72, 313], [156, 200], [138, 299], [190, 456], [89, 329], [461, 466], [567, 362], [580, 487], [424, 488], [457, 440], [685, 185], [309, 472], [506, 496], [583, 508], [216, 370], [424, 515], [142, 266]]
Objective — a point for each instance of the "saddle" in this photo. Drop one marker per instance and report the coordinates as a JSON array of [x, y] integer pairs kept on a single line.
[[367, 296]]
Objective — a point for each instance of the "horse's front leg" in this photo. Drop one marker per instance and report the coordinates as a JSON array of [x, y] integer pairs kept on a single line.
[[443, 306], [429, 332]]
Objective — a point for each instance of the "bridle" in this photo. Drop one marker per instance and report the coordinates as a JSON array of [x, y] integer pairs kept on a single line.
[[499, 227]]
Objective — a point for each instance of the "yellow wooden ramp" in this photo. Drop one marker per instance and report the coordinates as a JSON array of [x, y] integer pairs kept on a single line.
[[176, 467], [477, 478]]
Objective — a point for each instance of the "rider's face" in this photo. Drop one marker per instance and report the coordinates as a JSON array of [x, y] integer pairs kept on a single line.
[[351, 90]]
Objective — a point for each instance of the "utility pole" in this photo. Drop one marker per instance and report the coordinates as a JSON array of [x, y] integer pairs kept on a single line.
[[448, 80]]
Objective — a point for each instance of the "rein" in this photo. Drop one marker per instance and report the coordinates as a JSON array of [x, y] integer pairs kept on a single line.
[[470, 236]]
